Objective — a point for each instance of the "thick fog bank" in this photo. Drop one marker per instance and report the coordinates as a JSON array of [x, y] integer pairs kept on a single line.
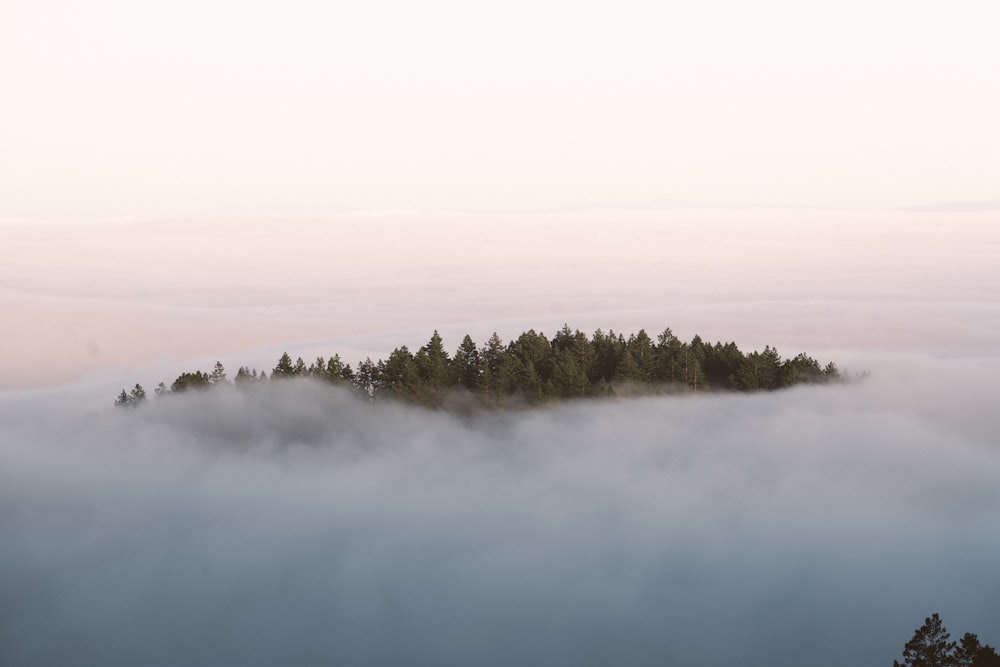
[[298, 526]]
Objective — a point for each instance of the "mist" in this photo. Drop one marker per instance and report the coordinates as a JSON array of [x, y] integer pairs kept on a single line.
[[296, 524]]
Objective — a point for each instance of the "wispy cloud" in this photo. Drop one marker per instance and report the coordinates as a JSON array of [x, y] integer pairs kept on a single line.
[[295, 524]]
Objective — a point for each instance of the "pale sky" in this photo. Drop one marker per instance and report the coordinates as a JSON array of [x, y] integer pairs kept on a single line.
[[144, 300], [198, 109]]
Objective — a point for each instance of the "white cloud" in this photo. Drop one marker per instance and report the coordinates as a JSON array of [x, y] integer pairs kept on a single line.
[[295, 524]]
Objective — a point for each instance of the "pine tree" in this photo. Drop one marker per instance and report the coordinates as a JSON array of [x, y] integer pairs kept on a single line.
[[244, 377], [185, 381], [432, 365], [497, 377], [466, 366], [366, 377], [608, 351], [131, 399], [929, 647], [284, 369], [970, 653], [337, 371], [218, 374], [398, 376], [640, 347], [123, 400], [668, 367], [568, 378], [317, 369]]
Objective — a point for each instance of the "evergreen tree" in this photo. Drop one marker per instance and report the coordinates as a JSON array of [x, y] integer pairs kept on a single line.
[[131, 399], [530, 366], [337, 371], [218, 374], [929, 647], [467, 366], [970, 653], [317, 369], [284, 369], [608, 351], [399, 377], [123, 400], [759, 370], [432, 365], [366, 378], [244, 377], [534, 368], [185, 381], [569, 379], [627, 370], [721, 364], [801, 368], [497, 374], [693, 357], [640, 348], [669, 367], [573, 357]]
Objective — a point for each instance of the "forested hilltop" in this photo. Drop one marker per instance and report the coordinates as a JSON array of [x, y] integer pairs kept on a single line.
[[532, 369]]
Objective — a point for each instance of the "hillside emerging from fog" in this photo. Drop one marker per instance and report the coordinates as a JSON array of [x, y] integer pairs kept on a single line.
[[532, 370]]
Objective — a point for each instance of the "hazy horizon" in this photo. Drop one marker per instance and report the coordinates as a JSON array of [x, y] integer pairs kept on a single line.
[[298, 525], [220, 181]]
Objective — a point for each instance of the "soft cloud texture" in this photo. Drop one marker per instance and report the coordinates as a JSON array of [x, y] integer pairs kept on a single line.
[[296, 526]]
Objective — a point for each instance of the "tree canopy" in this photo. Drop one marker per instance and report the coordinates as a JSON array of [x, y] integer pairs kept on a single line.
[[532, 369], [930, 647]]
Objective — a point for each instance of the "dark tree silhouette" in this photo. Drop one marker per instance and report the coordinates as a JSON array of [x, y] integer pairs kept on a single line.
[[131, 399], [970, 653], [929, 647], [532, 369]]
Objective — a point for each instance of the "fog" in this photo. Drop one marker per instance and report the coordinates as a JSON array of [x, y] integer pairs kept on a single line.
[[85, 301], [298, 525]]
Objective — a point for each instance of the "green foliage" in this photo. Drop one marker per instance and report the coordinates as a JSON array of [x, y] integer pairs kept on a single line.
[[218, 374], [186, 381], [284, 369], [531, 369], [467, 366], [131, 399], [434, 371]]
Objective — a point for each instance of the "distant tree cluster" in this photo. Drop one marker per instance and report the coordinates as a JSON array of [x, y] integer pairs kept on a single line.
[[532, 369], [131, 399], [930, 647]]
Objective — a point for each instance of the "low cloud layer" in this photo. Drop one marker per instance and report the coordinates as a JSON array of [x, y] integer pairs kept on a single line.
[[297, 526], [82, 299]]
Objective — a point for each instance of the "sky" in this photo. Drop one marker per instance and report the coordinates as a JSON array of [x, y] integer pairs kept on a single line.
[[207, 109], [227, 181]]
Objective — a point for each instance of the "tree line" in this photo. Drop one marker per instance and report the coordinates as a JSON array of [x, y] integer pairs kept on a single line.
[[930, 647], [533, 369]]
